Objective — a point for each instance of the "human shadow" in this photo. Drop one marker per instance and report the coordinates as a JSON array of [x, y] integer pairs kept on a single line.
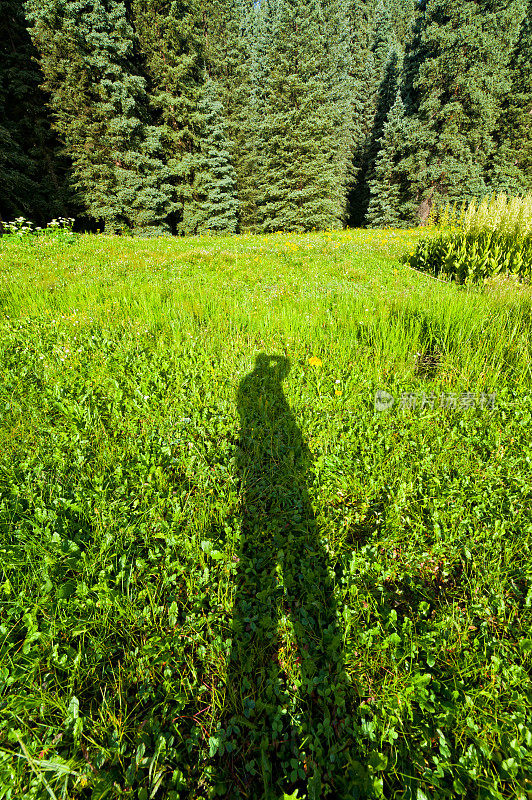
[[288, 727]]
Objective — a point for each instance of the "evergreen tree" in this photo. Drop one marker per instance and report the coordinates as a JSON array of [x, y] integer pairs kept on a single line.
[[251, 157], [384, 39], [214, 206], [402, 14], [388, 188], [33, 177], [305, 187], [99, 107], [364, 78], [454, 78], [385, 100], [340, 86], [510, 168], [233, 39], [378, 88], [172, 37]]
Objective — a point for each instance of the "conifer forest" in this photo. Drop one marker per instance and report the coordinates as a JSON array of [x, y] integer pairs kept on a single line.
[[194, 116]]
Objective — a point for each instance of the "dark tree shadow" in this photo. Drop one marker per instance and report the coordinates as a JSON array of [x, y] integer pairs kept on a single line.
[[282, 570]]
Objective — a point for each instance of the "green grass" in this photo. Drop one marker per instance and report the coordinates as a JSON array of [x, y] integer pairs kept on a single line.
[[472, 244], [222, 571]]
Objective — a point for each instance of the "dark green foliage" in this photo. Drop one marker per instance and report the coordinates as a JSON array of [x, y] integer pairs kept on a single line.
[[31, 172], [306, 87], [365, 82], [340, 86], [455, 77], [214, 202], [384, 39], [385, 99], [402, 14], [172, 40], [99, 106], [386, 24], [388, 188], [230, 56], [510, 167], [304, 120], [251, 164]]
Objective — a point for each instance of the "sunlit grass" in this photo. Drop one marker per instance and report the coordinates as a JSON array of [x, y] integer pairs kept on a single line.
[[122, 504]]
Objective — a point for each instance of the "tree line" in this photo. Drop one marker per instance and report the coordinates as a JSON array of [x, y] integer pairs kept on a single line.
[[189, 116]]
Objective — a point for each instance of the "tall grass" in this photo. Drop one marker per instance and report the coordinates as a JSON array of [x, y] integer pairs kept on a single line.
[[223, 573], [473, 243], [500, 214]]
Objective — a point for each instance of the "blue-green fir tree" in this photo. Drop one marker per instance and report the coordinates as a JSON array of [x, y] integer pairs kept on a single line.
[[456, 74], [402, 13], [214, 204], [305, 181], [172, 38], [252, 155], [340, 87], [99, 106], [384, 101], [388, 186], [231, 48], [364, 82], [385, 23]]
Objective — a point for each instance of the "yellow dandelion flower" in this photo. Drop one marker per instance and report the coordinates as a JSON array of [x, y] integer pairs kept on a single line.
[[314, 361], [337, 392]]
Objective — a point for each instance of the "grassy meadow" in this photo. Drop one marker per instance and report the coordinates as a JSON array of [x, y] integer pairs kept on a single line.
[[223, 571]]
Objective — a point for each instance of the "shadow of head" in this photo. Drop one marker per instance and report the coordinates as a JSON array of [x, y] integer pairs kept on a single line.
[[272, 367]]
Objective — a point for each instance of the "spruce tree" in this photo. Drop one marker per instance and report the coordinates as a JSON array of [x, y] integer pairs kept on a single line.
[[214, 205], [251, 159], [510, 168], [172, 39], [33, 177], [388, 187], [99, 106], [456, 73], [402, 13], [384, 39], [386, 27], [232, 44], [340, 86], [305, 182], [365, 81], [385, 100]]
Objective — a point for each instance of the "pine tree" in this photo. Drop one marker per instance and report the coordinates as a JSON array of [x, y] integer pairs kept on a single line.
[[172, 42], [510, 168], [388, 188], [364, 78], [33, 177], [454, 78], [99, 106], [305, 187], [214, 207], [231, 50]]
